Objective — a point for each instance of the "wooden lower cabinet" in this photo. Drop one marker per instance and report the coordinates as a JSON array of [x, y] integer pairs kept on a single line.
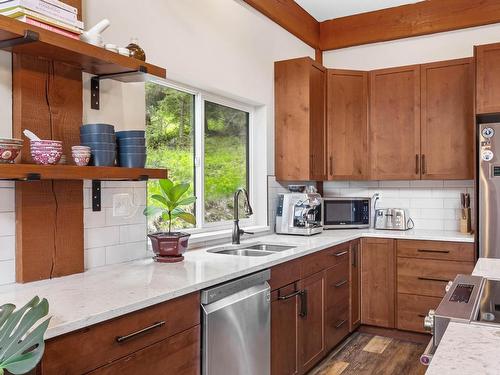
[[284, 330], [177, 355], [412, 310], [337, 304], [378, 282], [355, 286], [312, 321]]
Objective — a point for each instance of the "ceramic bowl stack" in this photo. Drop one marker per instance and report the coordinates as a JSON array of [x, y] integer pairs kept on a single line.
[[9, 149], [81, 155], [46, 151], [102, 142], [131, 148]]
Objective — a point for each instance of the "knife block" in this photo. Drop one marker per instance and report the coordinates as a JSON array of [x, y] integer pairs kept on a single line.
[[465, 221]]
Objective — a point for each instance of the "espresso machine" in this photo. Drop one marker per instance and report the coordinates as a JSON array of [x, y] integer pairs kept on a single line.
[[299, 214]]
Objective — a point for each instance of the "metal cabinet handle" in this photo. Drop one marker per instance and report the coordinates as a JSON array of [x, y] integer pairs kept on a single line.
[[424, 168], [140, 332], [341, 323], [433, 279], [303, 303], [289, 295], [340, 254], [433, 251], [331, 165], [422, 315], [417, 164], [340, 284]]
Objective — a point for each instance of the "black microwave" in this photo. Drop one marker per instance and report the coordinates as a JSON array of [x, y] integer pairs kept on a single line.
[[344, 212]]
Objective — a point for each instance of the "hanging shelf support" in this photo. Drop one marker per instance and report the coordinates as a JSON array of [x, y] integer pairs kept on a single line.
[[28, 37], [97, 190], [133, 76]]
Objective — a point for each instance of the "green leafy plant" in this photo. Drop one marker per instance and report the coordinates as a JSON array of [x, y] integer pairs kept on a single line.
[[22, 347], [169, 203]]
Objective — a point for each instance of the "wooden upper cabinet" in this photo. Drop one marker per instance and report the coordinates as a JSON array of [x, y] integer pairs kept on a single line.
[[488, 78], [394, 129], [300, 88], [347, 124], [447, 123]]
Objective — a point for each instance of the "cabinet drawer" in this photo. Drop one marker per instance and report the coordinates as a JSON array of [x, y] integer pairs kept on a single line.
[[284, 274], [428, 277], [337, 304], [458, 251], [177, 355], [98, 345], [324, 259], [412, 311]]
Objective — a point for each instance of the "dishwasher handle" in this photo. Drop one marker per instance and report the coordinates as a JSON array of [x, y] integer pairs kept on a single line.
[[303, 303]]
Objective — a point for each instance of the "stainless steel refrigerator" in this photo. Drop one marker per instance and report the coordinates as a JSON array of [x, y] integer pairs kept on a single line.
[[488, 138]]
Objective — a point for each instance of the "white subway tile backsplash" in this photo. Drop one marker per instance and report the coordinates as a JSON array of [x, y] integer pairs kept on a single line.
[[136, 217], [7, 224], [7, 248], [426, 203], [93, 219], [7, 272], [99, 237], [126, 252], [7, 184], [7, 199], [140, 196], [394, 184], [133, 233], [95, 257], [426, 184], [459, 183]]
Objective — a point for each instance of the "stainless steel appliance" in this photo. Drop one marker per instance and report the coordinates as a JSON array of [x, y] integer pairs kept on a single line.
[[299, 213], [489, 186], [469, 300], [393, 219], [236, 323], [343, 212]]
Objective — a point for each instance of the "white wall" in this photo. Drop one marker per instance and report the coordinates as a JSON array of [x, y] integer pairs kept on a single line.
[[418, 50], [222, 46]]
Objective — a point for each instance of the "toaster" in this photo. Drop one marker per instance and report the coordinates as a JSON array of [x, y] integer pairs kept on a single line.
[[393, 219]]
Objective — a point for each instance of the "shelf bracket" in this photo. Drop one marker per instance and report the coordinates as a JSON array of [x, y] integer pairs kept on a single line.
[[96, 195], [95, 86], [143, 177], [28, 37]]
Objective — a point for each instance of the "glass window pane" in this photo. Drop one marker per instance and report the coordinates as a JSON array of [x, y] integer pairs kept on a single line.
[[226, 159], [170, 142]]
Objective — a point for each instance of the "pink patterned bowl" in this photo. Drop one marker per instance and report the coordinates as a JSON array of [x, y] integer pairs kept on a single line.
[[46, 142], [8, 153], [46, 157], [81, 159]]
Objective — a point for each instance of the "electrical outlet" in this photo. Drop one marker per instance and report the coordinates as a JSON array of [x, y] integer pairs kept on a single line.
[[122, 205]]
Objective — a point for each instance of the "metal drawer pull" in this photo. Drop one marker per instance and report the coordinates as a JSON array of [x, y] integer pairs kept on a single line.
[[341, 253], [341, 283], [303, 303], [433, 251], [341, 323], [422, 315], [290, 295], [433, 279], [140, 332]]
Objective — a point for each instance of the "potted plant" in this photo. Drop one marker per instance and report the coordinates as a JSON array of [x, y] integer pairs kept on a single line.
[[21, 345], [169, 246]]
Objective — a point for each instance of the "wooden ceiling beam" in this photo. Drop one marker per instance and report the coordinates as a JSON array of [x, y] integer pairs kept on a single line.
[[426, 17], [289, 15]]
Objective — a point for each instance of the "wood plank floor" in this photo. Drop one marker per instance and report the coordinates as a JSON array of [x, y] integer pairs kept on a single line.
[[368, 354]]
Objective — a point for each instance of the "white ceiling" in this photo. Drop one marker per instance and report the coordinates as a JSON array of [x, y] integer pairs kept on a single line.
[[324, 10]]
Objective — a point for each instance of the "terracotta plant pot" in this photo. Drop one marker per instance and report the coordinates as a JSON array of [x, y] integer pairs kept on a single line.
[[169, 247]]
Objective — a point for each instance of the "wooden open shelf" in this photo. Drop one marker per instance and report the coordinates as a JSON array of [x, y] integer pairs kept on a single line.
[[53, 46], [72, 172]]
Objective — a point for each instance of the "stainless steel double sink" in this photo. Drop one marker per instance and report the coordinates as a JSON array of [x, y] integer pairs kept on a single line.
[[252, 250]]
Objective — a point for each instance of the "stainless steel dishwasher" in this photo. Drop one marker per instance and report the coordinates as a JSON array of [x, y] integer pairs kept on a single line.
[[236, 333]]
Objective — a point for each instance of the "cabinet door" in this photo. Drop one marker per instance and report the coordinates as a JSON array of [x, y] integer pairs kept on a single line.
[[317, 122], [177, 355], [395, 123], [355, 280], [284, 331], [378, 282], [337, 304], [488, 78], [447, 127], [312, 321], [347, 124]]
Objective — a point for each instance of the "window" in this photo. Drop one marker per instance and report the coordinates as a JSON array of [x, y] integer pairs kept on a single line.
[[203, 140]]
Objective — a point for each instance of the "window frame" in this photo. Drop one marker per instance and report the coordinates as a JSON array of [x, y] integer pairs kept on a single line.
[[200, 97]]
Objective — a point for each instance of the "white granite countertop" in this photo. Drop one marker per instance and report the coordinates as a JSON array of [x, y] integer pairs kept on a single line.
[[80, 300]]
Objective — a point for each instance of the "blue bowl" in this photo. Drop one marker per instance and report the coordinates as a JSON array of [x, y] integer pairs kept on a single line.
[[97, 128], [131, 134], [101, 158], [100, 145], [97, 137], [132, 149], [132, 160], [131, 142]]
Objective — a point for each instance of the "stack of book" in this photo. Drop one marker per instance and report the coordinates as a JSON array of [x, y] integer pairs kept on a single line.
[[53, 15]]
